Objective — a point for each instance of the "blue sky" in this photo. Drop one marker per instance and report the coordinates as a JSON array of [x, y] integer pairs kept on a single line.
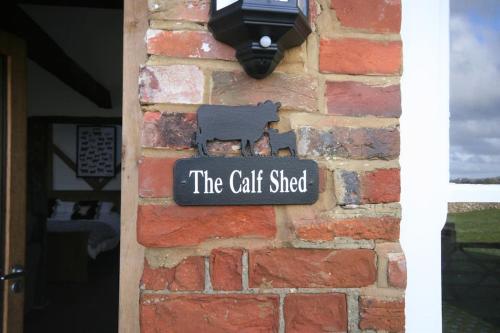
[[475, 88]]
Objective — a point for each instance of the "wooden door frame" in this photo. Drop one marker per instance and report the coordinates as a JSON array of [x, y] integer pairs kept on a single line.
[[15, 185], [135, 17]]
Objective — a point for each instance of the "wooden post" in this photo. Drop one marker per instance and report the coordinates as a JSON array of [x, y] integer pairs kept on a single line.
[[131, 253]]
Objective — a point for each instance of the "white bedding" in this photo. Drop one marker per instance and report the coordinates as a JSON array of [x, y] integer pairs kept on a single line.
[[104, 232]]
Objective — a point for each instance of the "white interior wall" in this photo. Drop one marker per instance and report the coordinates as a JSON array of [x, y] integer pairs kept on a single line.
[[93, 38], [64, 178], [424, 157]]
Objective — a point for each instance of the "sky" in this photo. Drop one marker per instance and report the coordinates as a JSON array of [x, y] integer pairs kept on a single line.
[[475, 88]]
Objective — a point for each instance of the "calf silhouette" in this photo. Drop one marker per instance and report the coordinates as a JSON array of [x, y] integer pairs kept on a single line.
[[244, 123], [279, 141]]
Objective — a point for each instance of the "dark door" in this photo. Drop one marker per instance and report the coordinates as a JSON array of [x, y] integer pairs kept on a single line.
[[3, 114], [13, 181]]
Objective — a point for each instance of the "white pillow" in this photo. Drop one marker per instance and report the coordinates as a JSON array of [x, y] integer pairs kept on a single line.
[[64, 206], [63, 210], [105, 207]]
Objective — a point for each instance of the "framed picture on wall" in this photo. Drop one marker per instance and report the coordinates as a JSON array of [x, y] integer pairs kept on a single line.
[[96, 151]]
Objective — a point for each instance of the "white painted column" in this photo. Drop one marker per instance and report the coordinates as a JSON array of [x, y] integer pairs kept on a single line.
[[424, 156]]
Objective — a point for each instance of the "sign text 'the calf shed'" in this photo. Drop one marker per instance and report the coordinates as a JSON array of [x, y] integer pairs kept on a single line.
[[249, 179]]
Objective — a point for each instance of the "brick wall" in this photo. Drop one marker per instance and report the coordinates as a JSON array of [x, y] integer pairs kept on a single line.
[[335, 266]]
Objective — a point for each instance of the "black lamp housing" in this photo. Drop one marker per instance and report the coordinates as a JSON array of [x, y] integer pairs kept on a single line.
[[260, 30]]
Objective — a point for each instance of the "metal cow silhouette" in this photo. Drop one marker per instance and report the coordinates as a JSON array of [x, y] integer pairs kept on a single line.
[[243, 123], [279, 141]]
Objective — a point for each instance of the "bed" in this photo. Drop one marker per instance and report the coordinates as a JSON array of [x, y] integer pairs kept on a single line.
[[103, 232], [98, 219]]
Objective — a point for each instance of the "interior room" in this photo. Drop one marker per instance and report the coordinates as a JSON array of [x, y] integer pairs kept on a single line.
[[74, 101]]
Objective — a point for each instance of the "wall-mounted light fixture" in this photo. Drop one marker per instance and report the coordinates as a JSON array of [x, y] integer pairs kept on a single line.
[[260, 30]]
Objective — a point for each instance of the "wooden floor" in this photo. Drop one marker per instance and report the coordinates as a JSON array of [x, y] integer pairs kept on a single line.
[[82, 307]]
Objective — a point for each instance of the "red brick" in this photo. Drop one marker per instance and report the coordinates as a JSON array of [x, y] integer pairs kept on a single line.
[[187, 44], [325, 229], [381, 314], [311, 268], [357, 99], [172, 225], [226, 268], [374, 15], [380, 186], [177, 84], [168, 130], [187, 275], [209, 313], [315, 313], [156, 177], [359, 56], [396, 270], [297, 92], [182, 10], [353, 143]]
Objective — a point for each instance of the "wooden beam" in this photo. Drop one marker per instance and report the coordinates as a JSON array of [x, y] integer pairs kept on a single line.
[[110, 4], [43, 50]]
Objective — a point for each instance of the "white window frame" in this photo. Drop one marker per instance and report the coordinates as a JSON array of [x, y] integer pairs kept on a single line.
[[424, 156]]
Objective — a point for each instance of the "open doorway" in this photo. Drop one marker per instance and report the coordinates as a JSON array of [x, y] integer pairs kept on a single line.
[[73, 96]]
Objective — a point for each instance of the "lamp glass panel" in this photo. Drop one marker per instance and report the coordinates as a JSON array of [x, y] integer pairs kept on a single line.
[[223, 3], [302, 4]]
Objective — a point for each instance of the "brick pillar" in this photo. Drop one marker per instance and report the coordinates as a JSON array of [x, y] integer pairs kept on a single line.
[[335, 266]]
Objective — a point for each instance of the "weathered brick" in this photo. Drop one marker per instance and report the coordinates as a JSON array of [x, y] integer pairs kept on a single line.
[[375, 15], [209, 313], [177, 131], [354, 143], [172, 225], [315, 313], [377, 186], [221, 148], [168, 130], [187, 44], [187, 275], [380, 186], [311, 268], [314, 12], [297, 92], [156, 177], [226, 269], [325, 228], [381, 314], [358, 99], [177, 84], [396, 270], [359, 56], [181, 10], [347, 187]]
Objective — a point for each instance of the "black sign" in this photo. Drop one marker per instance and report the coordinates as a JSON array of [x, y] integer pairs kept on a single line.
[[246, 180]]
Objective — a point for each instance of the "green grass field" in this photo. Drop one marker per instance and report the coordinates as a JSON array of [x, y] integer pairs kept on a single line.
[[478, 226], [471, 288]]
